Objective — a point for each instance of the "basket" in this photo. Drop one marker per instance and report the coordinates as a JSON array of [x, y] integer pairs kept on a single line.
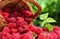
[[22, 4]]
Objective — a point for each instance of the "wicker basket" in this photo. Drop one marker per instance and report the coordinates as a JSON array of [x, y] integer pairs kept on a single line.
[[20, 3]]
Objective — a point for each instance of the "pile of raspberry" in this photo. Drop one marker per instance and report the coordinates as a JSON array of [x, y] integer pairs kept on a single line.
[[19, 28]]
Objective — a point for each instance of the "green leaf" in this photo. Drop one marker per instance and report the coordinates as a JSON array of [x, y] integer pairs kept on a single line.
[[43, 23], [43, 16], [50, 20], [49, 26], [37, 22]]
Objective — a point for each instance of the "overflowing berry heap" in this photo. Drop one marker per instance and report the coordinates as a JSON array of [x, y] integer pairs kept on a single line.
[[18, 26]]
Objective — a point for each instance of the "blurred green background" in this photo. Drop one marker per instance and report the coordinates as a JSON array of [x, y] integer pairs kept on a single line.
[[52, 7]]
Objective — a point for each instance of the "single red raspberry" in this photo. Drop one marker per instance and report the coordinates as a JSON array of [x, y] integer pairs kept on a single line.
[[31, 33], [56, 28], [16, 36], [17, 14], [12, 25], [54, 35], [6, 29], [58, 34], [20, 29], [5, 14], [42, 35], [31, 27], [20, 19], [7, 10], [27, 13], [13, 30], [12, 19], [49, 36], [27, 36], [6, 36], [24, 25], [45, 29], [28, 20]]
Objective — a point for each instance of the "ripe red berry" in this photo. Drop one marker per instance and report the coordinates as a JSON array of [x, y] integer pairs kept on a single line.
[[12, 19], [28, 20], [42, 35], [20, 29], [7, 10], [45, 29], [16, 36], [6, 36], [58, 34], [55, 36], [6, 29], [49, 36], [5, 14], [12, 25], [38, 30], [17, 14], [24, 24], [56, 28], [28, 13], [20, 19], [31, 28], [27, 36], [13, 30]]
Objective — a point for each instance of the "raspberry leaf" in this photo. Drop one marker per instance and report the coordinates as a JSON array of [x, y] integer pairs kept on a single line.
[[43, 16]]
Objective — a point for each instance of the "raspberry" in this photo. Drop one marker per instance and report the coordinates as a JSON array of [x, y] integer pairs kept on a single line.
[[12, 25], [54, 35], [0, 34], [5, 14], [20, 19], [49, 36], [24, 24], [58, 34], [38, 30], [42, 35], [7, 10], [16, 36], [45, 29], [20, 23], [27, 36], [56, 28], [6, 29], [28, 20], [28, 13], [12, 19], [12, 15], [17, 14], [31, 33], [6, 36], [20, 29], [26, 30], [13, 30], [31, 27]]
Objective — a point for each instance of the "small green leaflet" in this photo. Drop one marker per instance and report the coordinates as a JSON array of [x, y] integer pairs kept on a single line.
[[43, 23], [50, 20], [43, 16]]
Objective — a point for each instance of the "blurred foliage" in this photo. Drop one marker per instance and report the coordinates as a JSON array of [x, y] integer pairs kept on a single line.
[[44, 20], [49, 6]]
